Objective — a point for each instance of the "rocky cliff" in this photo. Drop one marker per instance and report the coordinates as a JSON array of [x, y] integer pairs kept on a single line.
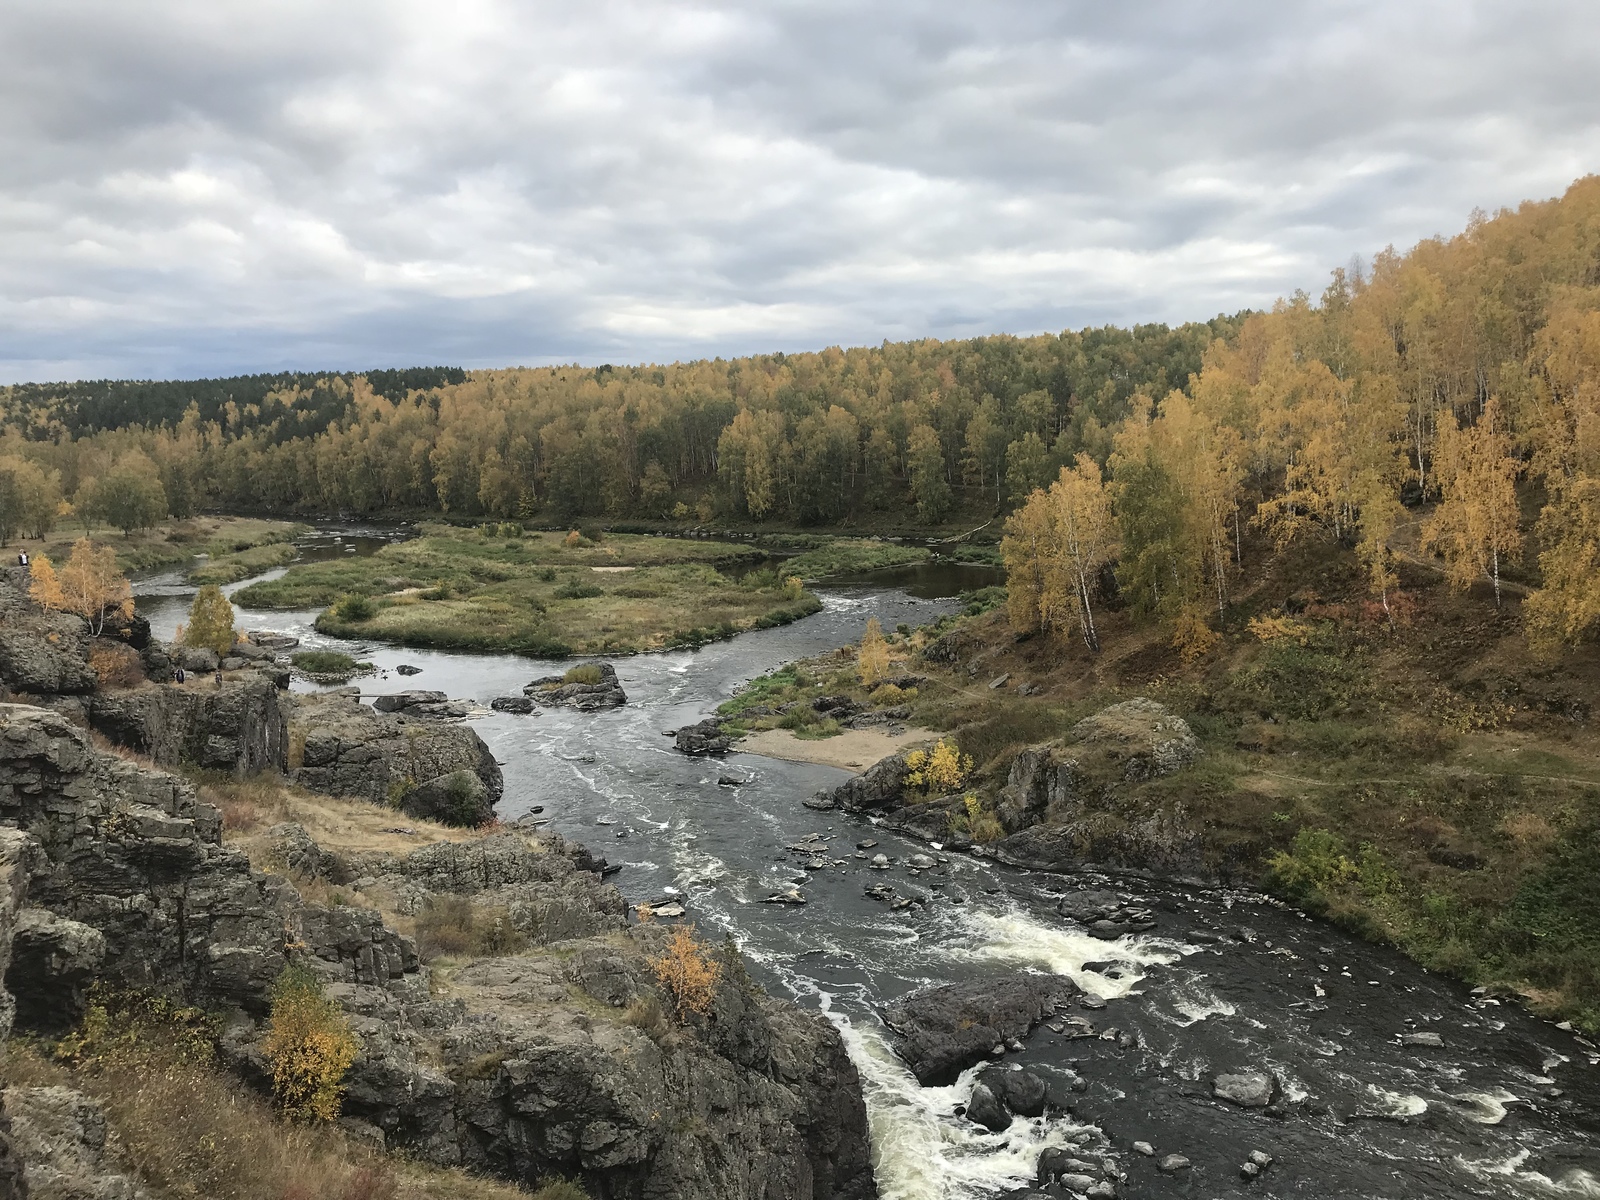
[[553, 1060]]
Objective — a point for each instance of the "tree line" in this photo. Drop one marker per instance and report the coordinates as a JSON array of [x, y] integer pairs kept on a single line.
[[1461, 378], [1463, 375]]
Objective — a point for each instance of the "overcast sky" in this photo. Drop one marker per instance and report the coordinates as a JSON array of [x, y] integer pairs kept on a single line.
[[212, 188]]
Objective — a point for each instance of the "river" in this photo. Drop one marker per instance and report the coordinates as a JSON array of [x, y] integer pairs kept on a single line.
[[1227, 980]]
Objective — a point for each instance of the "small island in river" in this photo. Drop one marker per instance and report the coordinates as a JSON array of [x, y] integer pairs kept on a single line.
[[498, 587]]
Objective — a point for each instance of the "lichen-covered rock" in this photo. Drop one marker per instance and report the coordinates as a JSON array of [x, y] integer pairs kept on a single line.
[[706, 737], [44, 655], [61, 1135], [350, 750], [1143, 736]]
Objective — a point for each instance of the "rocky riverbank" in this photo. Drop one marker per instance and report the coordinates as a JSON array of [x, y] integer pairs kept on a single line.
[[542, 1063]]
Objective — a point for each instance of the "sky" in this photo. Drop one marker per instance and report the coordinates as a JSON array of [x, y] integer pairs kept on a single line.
[[196, 189]]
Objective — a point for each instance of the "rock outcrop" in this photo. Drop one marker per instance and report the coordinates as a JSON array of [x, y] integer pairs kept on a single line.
[[881, 788], [501, 1070], [343, 748], [554, 691], [61, 1136], [241, 726], [941, 1031]]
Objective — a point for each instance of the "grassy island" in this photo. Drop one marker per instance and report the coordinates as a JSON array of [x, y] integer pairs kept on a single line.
[[542, 594]]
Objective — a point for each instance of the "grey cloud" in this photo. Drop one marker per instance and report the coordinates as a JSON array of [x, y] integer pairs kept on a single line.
[[224, 187]]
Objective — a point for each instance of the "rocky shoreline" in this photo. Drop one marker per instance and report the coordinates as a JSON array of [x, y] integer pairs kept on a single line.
[[545, 1050]]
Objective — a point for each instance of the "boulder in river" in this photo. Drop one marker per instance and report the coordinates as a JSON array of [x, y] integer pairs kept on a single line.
[[704, 738], [878, 789], [1247, 1089], [555, 691], [407, 669], [1021, 1091], [522, 705], [984, 1108], [941, 1031], [400, 701]]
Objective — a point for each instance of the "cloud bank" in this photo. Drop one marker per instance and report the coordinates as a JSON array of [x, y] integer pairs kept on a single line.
[[212, 188]]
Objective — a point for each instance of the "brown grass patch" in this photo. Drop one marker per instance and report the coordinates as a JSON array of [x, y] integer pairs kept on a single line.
[[192, 1132]]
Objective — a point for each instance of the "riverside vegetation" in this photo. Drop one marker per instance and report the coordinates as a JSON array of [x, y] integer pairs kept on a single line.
[[545, 594]]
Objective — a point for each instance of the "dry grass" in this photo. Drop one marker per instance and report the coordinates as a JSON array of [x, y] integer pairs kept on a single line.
[[116, 665], [337, 824], [229, 1144]]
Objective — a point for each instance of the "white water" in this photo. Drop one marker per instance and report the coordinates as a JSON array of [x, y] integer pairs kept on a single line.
[[921, 1151]]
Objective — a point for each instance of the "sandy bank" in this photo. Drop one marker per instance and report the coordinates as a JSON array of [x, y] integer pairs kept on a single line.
[[852, 750]]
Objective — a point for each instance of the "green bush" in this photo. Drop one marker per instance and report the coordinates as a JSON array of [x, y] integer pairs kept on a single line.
[[327, 662], [351, 607], [573, 590], [586, 673]]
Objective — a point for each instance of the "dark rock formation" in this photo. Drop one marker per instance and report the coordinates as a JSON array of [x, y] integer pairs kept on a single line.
[[943, 1030], [350, 750], [508, 1074], [879, 789], [704, 738], [521, 705], [241, 726], [554, 691], [43, 654], [1022, 1092], [984, 1108], [401, 701], [53, 962]]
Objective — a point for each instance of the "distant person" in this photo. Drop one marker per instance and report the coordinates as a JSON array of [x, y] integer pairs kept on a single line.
[[22, 559], [219, 676], [177, 676]]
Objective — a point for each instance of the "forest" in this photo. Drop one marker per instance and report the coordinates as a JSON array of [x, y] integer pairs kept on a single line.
[[1460, 379]]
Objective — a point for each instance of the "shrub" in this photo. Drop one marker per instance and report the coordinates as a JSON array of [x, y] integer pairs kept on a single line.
[[939, 771], [547, 574], [116, 665], [592, 531], [444, 927], [351, 607], [308, 1046], [687, 973], [573, 540], [976, 821], [587, 673], [793, 587], [327, 662], [573, 590]]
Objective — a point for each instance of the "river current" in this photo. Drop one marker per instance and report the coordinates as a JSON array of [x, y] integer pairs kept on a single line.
[[1227, 980]]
